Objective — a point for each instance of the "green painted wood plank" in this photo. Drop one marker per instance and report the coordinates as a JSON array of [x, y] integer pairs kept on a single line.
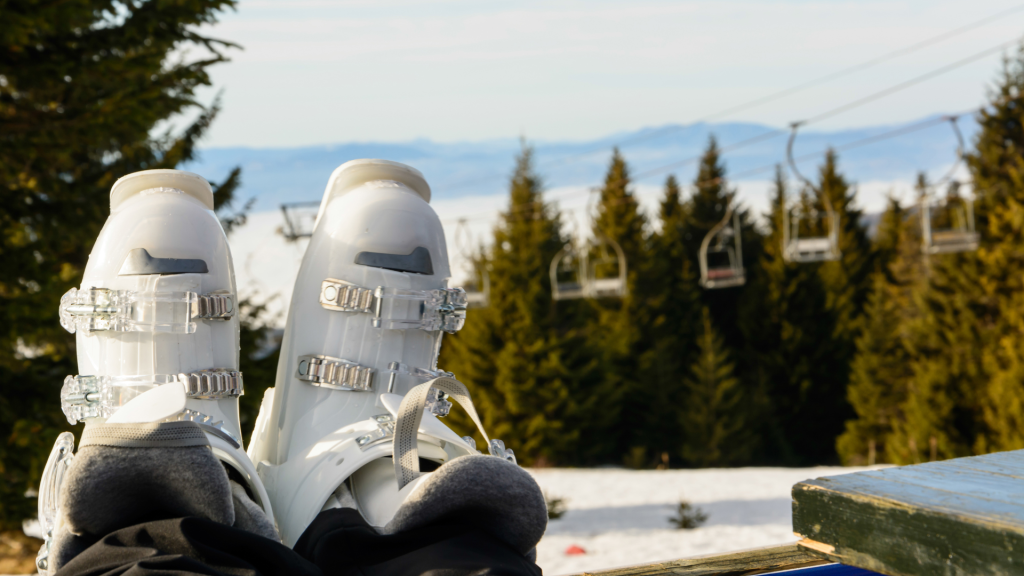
[[1005, 463], [962, 516], [943, 498], [962, 481]]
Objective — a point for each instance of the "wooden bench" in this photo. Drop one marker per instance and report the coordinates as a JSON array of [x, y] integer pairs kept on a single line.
[[958, 517], [962, 517], [745, 563]]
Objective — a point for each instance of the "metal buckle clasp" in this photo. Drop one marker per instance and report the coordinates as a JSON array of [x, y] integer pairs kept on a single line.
[[335, 373], [99, 309], [84, 397], [430, 310]]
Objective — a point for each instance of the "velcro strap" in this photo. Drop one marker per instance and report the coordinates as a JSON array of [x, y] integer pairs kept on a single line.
[[410, 415]]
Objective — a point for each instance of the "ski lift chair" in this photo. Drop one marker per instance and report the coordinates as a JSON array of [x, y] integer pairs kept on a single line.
[[576, 274], [299, 219], [568, 274], [960, 236], [813, 248], [463, 240], [721, 265], [606, 286]]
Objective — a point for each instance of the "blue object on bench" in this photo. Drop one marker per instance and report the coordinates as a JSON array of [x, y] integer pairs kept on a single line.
[[829, 570]]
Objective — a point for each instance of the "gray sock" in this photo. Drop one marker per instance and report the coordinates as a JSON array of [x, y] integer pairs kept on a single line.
[[484, 491], [249, 516], [125, 474]]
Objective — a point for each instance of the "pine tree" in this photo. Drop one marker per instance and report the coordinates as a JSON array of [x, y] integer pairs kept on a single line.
[[847, 280], [83, 89], [997, 168], [966, 395], [883, 367], [878, 377], [533, 379], [891, 227], [708, 205], [947, 335], [618, 325], [705, 209], [897, 350], [712, 418], [619, 217], [675, 300], [789, 330], [711, 196]]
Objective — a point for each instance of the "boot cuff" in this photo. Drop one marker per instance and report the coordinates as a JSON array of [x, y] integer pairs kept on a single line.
[[151, 435], [483, 491]]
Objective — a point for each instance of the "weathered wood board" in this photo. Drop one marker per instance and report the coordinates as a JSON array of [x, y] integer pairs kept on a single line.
[[962, 516], [746, 563]]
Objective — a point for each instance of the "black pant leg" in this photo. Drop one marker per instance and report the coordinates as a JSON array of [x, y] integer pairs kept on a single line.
[[338, 542], [186, 546], [341, 543]]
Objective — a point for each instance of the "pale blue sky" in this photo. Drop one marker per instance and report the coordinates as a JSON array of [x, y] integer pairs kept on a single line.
[[319, 71]]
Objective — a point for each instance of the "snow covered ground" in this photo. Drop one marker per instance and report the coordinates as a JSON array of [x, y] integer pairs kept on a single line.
[[620, 517]]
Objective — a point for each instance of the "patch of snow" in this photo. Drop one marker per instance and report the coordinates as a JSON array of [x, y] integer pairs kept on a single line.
[[620, 517], [32, 528]]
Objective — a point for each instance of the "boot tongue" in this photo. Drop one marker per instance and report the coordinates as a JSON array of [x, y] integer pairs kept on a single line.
[[155, 405], [124, 474]]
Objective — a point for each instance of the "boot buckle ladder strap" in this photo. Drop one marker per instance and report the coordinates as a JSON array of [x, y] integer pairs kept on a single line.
[[410, 415], [84, 396], [398, 308], [334, 373], [101, 309]]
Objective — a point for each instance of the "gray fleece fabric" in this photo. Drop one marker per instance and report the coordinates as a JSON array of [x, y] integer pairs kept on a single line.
[[490, 493], [249, 516], [125, 474]]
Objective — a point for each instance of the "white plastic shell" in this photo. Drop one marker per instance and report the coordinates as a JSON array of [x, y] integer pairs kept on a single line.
[[305, 443], [169, 214]]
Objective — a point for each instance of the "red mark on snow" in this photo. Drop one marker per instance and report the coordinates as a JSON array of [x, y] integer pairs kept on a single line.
[[574, 550]]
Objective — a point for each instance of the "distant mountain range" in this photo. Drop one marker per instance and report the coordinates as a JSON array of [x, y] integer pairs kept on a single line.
[[460, 169]]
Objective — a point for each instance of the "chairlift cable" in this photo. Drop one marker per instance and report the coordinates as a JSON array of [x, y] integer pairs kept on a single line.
[[959, 154], [912, 82], [718, 226], [780, 94], [867, 64], [841, 109], [901, 131], [459, 238], [836, 111], [823, 79], [796, 171]]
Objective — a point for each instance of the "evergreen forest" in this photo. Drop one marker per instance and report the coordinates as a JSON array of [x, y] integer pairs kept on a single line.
[[888, 354]]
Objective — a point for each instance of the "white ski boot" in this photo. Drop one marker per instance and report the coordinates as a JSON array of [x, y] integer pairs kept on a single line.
[[359, 357], [157, 327]]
